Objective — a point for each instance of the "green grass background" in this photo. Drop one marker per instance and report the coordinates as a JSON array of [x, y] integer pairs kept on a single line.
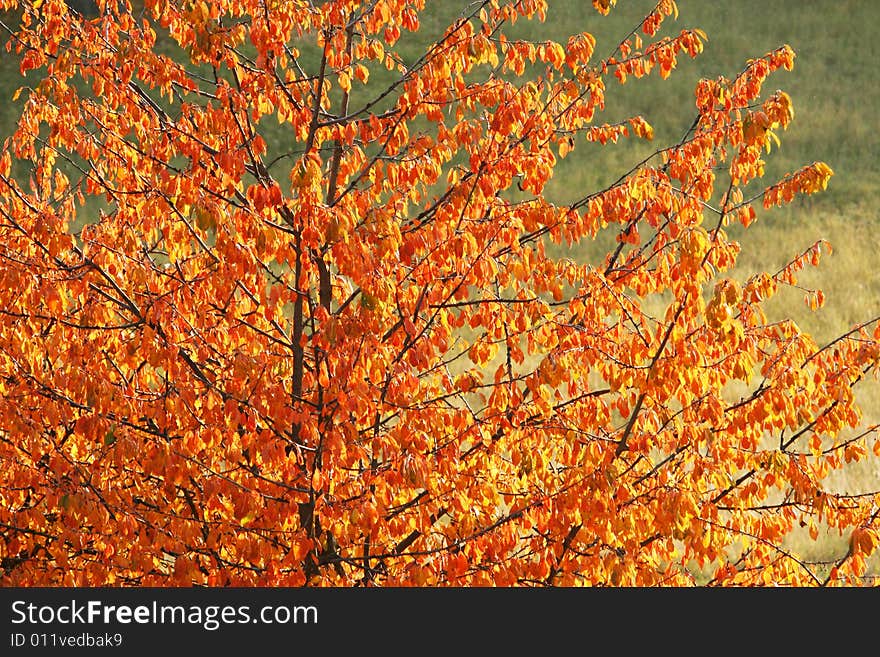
[[835, 87]]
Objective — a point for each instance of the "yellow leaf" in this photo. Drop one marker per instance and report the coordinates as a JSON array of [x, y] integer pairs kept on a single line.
[[344, 81], [565, 146]]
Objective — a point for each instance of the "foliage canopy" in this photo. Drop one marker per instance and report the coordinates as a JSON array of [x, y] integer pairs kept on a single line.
[[347, 356]]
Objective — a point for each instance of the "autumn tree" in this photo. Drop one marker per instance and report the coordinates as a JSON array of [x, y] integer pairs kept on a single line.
[[282, 306]]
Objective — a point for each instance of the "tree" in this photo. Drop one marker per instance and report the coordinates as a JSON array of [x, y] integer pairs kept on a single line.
[[279, 307]]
